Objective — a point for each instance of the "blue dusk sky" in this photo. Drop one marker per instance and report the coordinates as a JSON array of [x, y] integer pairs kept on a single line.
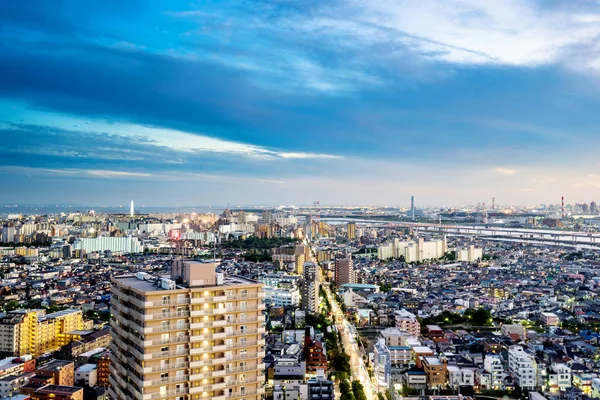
[[292, 101]]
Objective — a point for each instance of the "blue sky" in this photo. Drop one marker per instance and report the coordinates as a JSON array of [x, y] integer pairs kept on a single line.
[[287, 102]]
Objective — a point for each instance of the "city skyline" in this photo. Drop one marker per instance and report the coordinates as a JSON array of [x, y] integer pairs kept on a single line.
[[284, 103]]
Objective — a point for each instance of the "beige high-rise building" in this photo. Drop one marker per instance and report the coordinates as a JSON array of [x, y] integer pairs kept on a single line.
[[34, 332], [351, 231], [196, 334]]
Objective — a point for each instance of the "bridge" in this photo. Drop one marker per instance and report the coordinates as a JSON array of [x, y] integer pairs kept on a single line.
[[550, 237]]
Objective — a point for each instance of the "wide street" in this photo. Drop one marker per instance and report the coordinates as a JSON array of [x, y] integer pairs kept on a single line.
[[359, 371]]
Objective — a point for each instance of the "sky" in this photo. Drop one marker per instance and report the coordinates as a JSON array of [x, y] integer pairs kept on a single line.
[[289, 102]]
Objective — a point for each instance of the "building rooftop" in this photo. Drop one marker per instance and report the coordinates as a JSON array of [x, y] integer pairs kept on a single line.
[[58, 389], [87, 368], [55, 365], [433, 360], [422, 349]]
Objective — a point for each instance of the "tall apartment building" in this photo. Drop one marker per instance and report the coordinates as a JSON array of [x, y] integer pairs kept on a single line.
[[407, 322], [62, 371], [344, 269], [310, 288], [195, 334], [103, 369], [522, 367], [436, 372], [382, 363], [351, 231], [493, 364], [302, 255], [35, 332]]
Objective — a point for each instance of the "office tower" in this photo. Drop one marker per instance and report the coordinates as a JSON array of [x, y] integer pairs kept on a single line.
[[351, 230], [132, 209], [34, 332], [310, 288], [344, 269], [593, 208], [194, 334], [412, 207]]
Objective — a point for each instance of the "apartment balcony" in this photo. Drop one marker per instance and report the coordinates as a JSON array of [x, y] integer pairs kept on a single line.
[[201, 389], [204, 375], [197, 350], [244, 356], [202, 312], [245, 393], [249, 343], [221, 298], [202, 325], [165, 315], [170, 379], [166, 354], [167, 328], [247, 381], [171, 340], [207, 362], [166, 367], [242, 332], [236, 370], [119, 380], [165, 394], [245, 296], [220, 360], [245, 320], [201, 300], [249, 307], [200, 338], [219, 335], [218, 348], [167, 303], [219, 372]]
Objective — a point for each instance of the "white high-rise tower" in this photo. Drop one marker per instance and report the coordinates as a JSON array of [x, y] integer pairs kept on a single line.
[[132, 210]]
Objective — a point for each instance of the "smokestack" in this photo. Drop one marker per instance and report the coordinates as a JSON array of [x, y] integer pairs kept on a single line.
[[132, 209], [412, 207], [562, 200]]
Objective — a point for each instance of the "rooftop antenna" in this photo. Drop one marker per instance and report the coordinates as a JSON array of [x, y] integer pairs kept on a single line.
[[562, 199]]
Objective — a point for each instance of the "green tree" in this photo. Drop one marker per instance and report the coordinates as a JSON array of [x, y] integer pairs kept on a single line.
[[11, 305], [345, 387], [358, 390]]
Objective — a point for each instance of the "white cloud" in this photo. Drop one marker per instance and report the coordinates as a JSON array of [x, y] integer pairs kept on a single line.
[[74, 172], [181, 141], [502, 32], [506, 171]]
